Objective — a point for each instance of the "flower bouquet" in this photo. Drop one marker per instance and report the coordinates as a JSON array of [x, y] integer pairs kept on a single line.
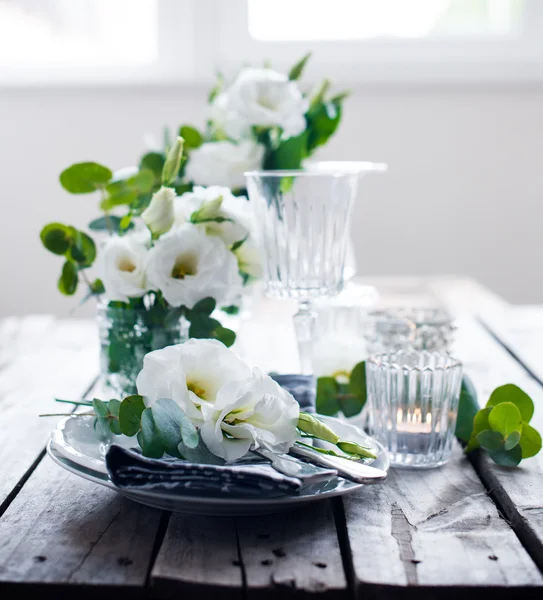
[[163, 268]]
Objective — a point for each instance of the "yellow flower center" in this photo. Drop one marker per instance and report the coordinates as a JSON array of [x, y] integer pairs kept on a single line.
[[184, 265], [127, 266], [196, 388]]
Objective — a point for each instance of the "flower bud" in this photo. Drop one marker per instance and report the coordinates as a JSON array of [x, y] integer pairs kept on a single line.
[[159, 215]]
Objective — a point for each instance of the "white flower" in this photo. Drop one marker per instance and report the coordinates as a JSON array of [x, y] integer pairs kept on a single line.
[[121, 267], [224, 163], [190, 374], [213, 202], [266, 98], [187, 265], [225, 121], [159, 215], [251, 414], [249, 259]]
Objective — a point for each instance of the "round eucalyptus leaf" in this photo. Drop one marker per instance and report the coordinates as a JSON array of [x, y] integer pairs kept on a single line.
[[130, 413], [148, 437], [505, 418], [83, 249], [224, 335], [154, 161], [490, 440], [506, 458], [512, 393], [512, 440], [327, 396], [193, 138], [56, 238], [205, 306], [530, 441], [467, 410], [67, 283], [85, 177], [142, 182]]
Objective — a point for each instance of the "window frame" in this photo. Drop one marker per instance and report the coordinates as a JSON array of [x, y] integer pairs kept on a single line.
[[199, 37]]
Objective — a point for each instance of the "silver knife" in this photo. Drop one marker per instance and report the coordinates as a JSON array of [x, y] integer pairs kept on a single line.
[[351, 470], [289, 465]]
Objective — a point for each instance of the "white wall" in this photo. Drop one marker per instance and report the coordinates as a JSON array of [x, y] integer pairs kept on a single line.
[[464, 193]]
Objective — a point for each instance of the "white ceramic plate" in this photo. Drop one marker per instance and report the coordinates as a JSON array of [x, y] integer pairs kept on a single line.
[[75, 446]]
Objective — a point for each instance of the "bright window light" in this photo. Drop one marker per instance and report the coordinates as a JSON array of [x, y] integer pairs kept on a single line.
[[78, 33], [300, 20]]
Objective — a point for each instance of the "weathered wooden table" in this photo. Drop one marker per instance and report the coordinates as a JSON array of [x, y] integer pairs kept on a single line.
[[470, 527]]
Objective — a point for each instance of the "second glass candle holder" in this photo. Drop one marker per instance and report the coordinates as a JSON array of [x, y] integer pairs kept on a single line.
[[413, 399]]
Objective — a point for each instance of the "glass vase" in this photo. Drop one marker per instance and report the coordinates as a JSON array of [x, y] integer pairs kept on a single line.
[[126, 336]]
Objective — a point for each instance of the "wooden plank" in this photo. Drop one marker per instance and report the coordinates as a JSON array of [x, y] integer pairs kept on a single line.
[[295, 554], [431, 530], [48, 358], [198, 558], [61, 529]]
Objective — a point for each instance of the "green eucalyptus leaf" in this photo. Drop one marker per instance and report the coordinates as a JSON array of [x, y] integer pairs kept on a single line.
[[506, 458], [173, 162], [107, 223], [56, 237], [224, 335], [168, 418], [357, 397], [512, 440], [512, 393], [205, 306], [67, 283], [97, 287], [83, 249], [198, 453], [314, 427], [142, 182], [297, 70], [122, 198], [126, 223], [148, 437], [130, 413], [323, 121], [530, 441], [101, 410], [154, 161], [201, 326], [289, 154], [505, 418], [114, 407], [231, 310], [490, 440], [467, 409], [327, 396], [85, 177], [193, 138]]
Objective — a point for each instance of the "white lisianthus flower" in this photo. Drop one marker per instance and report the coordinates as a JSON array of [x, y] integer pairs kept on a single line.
[[159, 215], [224, 163], [187, 265], [249, 259], [121, 267], [251, 414], [190, 374], [225, 121], [266, 98], [216, 202]]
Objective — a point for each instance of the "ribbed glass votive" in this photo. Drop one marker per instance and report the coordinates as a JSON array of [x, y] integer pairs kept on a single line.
[[413, 404]]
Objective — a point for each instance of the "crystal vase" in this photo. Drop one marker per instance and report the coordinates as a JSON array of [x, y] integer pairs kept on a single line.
[[126, 336]]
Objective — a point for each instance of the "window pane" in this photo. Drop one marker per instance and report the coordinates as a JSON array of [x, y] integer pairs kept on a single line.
[[382, 19], [78, 33]]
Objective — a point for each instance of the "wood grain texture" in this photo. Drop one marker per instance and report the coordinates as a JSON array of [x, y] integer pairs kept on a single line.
[[518, 492], [295, 554], [62, 529], [433, 529], [199, 558], [41, 358]]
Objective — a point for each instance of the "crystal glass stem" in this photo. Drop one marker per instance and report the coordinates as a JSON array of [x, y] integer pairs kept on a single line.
[[305, 325]]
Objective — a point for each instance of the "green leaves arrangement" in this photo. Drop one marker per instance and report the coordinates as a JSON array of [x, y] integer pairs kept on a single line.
[[501, 428], [345, 393], [164, 428]]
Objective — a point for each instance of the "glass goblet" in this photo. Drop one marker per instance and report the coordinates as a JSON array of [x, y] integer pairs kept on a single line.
[[302, 219]]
